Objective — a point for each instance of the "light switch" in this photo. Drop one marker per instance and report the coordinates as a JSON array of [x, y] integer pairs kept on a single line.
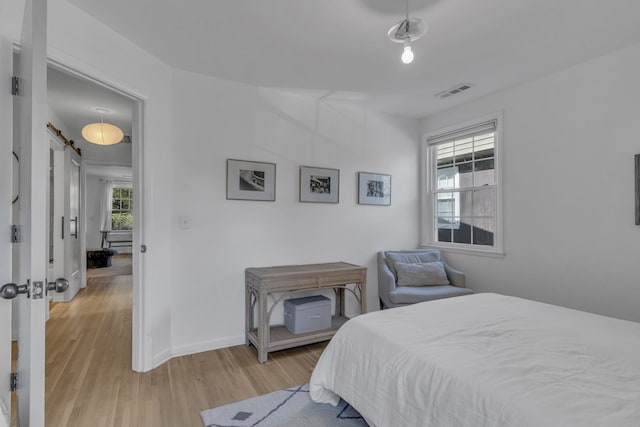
[[184, 222]]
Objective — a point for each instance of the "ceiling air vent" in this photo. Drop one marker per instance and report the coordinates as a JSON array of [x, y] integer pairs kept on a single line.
[[454, 91]]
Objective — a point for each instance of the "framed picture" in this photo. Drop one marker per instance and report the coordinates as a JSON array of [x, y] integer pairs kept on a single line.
[[319, 185], [248, 180], [374, 189], [637, 189]]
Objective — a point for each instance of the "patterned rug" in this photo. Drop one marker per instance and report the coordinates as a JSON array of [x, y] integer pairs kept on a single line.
[[287, 408]]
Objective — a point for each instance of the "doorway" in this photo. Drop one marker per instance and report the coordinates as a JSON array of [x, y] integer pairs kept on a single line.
[[74, 100]]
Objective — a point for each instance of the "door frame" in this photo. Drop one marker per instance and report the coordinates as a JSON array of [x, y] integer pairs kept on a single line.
[[141, 360]]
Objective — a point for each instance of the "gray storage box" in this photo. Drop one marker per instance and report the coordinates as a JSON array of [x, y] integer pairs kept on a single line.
[[307, 314]]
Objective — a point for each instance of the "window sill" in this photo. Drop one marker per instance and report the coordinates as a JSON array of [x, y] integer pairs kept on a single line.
[[491, 253]]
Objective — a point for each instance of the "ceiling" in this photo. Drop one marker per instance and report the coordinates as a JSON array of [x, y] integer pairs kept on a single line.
[[340, 47], [116, 173], [74, 100]]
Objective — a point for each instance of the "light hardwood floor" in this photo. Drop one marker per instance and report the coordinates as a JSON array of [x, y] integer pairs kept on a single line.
[[89, 381]]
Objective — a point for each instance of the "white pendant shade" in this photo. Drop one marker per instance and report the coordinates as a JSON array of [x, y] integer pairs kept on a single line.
[[102, 133]]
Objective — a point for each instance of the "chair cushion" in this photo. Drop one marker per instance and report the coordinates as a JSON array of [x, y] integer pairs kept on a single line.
[[410, 258], [413, 294], [423, 274]]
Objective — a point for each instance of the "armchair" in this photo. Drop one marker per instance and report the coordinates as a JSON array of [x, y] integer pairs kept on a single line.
[[394, 295]]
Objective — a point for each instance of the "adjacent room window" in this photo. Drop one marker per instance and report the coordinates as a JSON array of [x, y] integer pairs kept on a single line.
[[122, 208], [463, 187]]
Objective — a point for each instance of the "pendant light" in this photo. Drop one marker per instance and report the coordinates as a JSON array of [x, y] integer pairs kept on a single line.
[[102, 133], [406, 31]]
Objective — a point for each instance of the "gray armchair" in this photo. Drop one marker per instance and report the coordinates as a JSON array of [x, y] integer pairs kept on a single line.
[[393, 295]]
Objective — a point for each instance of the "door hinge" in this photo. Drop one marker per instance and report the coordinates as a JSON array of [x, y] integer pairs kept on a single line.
[[13, 381], [16, 233], [16, 86]]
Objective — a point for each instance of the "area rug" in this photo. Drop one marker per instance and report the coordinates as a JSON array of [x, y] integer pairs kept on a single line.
[[287, 408]]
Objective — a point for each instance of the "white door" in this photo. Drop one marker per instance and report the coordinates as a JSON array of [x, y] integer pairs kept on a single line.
[[34, 162], [6, 178], [72, 252]]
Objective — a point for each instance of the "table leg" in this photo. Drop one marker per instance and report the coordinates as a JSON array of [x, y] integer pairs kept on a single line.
[[248, 314], [263, 325]]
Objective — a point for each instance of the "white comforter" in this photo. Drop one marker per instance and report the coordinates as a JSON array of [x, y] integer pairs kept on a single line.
[[484, 360]]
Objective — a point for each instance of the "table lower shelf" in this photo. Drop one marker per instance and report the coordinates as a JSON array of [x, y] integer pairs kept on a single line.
[[282, 338]]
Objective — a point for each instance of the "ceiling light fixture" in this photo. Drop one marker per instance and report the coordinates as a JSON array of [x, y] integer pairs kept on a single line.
[[406, 31], [102, 133]]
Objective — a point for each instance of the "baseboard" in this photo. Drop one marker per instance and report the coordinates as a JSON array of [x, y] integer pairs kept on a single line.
[[199, 347], [160, 358], [185, 350]]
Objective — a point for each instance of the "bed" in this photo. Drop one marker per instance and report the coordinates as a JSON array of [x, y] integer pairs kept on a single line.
[[484, 360]]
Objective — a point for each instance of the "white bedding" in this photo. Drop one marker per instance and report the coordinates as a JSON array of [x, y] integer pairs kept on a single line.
[[484, 360]]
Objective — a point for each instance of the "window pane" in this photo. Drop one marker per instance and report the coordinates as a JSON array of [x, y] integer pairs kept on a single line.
[[445, 227], [445, 205], [444, 154], [484, 145], [121, 221], [484, 173], [446, 178], [484, 202], [116, 204], [124, 205], [466, 175], [462, 234], [465, 206], [463, 150], [483, 231]]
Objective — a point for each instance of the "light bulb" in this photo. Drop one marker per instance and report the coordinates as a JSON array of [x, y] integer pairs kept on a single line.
[[407, 54]]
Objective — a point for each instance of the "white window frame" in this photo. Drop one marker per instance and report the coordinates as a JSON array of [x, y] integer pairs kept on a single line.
[[120, 184], [429, 179]]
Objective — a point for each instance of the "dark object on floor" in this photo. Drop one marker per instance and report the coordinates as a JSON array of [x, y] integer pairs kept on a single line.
[[99, 258]]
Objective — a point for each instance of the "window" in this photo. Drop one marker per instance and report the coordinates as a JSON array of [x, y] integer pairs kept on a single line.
[[122, 208], [463, 191]]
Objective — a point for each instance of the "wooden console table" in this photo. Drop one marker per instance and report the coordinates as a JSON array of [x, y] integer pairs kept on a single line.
[[260, 283]]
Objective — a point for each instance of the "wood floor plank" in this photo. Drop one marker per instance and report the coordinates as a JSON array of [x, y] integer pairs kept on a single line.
[[89, 381]]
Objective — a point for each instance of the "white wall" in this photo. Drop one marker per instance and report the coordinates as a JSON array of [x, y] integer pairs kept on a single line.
[[117, 154], [215, 120], [569, 141], [92, 205]]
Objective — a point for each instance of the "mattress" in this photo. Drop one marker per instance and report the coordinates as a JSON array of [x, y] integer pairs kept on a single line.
[[484, 360]]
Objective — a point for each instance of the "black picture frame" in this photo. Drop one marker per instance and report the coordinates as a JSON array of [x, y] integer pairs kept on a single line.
[[249, 180], [374, 189], [319, 185]]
